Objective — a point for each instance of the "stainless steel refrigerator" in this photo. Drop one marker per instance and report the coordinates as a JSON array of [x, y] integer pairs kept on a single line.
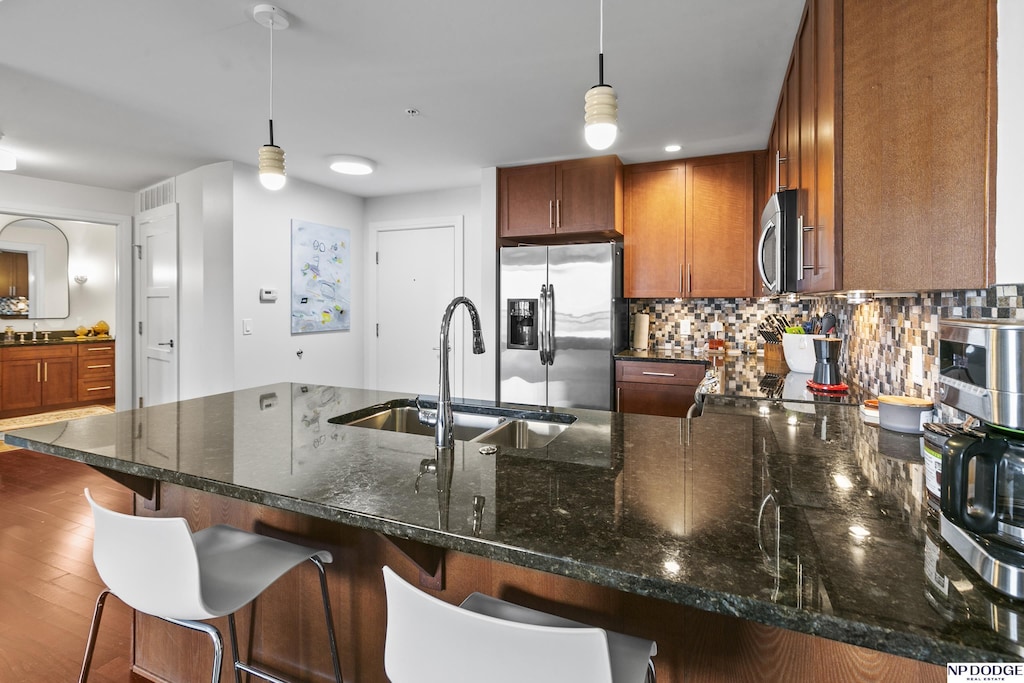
[[562, 318]]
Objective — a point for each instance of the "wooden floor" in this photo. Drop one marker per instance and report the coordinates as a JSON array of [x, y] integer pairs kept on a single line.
[[48, 584]]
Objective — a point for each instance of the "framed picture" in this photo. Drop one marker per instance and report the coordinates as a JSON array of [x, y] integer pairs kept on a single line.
[[321, 278]]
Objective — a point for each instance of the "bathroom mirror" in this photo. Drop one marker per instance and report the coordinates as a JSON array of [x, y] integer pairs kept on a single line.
[[42, 248]]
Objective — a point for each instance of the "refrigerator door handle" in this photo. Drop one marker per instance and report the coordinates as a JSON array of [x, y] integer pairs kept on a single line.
[[549, 309], [542, 315]]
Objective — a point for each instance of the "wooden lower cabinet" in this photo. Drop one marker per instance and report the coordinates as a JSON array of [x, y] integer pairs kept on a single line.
[[96, 372], [35, 378], [655, 387], [285, 627]]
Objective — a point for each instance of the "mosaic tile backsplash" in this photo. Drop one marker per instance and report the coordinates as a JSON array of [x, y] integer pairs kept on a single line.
[[879, 335]]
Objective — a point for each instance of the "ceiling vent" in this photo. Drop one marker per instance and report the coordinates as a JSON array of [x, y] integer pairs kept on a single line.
[[153, 196]]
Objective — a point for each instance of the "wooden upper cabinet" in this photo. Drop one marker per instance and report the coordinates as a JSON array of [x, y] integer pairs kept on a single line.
[[582, 196], [889, 138], [655, 218], [720, 226], [13, 273], [689, 228]]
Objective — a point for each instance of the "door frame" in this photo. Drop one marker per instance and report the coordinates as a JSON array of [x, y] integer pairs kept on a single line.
[[376, 227], [123, 290]]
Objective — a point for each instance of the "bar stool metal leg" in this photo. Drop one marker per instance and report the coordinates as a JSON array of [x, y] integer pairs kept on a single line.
[[90, 644], [328, 616]]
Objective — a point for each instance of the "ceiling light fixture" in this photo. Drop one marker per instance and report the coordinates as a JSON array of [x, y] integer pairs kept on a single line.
[[352, 165], [673, 148], [8, 162], [271, 156], [601, 106]]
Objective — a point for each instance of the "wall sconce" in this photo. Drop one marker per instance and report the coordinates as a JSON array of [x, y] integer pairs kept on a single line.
[[81, 279]]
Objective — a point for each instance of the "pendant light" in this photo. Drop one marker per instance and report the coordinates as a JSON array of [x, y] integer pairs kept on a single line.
[[601, 107], [271, 157]]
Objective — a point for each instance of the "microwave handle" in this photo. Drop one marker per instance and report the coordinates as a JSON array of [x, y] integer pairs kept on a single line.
[[799, 247], [760, 259]]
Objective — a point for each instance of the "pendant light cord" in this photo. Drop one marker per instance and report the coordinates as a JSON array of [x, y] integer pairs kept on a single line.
[[600, 47], [272, 79]]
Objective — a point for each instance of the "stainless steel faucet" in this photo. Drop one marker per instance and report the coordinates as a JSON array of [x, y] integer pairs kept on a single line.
[[443, 419]]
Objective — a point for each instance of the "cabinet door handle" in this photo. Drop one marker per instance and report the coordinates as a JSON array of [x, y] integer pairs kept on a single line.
[[99, 348], [681, 278], [558, 213], [39, 377], [689, 280], [46, 372], [96, 367], [618, 399], [551, 213], [659, 374], [98, 388], [779, 159]]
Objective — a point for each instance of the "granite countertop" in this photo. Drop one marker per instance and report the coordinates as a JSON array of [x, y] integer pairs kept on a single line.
[[745, 511], [55, 339]]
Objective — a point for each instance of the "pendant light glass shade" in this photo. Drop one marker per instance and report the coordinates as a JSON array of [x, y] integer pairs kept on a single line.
[[272, 174], [602, 113], [8, 162]]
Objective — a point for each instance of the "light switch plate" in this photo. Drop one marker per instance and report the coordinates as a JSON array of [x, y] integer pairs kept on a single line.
[[917, 364], [684, 328], [246, 325]]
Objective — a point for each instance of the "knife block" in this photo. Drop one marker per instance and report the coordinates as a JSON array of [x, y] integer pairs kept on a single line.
[[774, 359]]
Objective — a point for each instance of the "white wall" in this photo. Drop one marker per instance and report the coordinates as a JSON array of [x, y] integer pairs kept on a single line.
[[205, 300], [1010, 136], [262, 258], [479, 283], [91, 249]]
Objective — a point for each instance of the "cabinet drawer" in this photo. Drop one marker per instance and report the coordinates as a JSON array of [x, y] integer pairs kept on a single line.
[[38, 352], [104, 350], [658, 372], [96, 389], [95, 368]]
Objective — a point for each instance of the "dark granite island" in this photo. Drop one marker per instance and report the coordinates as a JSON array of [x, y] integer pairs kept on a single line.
[[726, 538]]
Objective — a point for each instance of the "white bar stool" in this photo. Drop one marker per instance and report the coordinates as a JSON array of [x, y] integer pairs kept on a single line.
[[159, 567], [487, 639]]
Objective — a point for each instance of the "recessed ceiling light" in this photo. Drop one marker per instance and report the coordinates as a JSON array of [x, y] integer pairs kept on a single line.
[[673, 148], [352, 165]]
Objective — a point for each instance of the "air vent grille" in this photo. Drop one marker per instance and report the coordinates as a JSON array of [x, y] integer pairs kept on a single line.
[[153, 196]]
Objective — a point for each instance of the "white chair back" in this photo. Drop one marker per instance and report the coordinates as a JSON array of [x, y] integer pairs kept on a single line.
[[431, 641], [150, 563]]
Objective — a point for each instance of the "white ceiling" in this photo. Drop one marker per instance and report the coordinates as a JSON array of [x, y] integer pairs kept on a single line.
[[126, 93]]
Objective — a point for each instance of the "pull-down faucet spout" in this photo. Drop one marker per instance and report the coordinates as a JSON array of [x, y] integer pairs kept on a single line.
[[443, 420]]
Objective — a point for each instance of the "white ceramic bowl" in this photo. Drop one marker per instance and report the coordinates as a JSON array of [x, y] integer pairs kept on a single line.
[[799, 351]]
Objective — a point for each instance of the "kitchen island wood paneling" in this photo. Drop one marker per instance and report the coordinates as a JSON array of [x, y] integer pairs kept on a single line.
[[639, 523]]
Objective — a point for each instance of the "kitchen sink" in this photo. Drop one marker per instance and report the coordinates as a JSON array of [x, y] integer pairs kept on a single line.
[[480, 424], [523, 434]]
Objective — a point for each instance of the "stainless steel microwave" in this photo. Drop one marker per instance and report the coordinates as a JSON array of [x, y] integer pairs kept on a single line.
[[777, 257]]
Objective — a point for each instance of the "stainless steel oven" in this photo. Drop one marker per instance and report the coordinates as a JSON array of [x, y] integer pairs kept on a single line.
[[777, 249]]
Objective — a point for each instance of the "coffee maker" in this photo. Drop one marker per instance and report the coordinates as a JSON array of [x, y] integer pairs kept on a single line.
[[981, 367]]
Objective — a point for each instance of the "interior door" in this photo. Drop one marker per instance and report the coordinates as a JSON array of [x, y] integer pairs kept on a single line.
[[157, 313], [418, 274]]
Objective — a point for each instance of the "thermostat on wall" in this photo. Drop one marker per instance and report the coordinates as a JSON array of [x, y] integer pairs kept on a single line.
[[268, 295]]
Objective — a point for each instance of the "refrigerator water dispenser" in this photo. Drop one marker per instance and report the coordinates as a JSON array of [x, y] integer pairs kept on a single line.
[[522, 327]]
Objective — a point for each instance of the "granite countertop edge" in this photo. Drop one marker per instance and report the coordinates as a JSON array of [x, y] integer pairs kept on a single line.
[[893, 640]]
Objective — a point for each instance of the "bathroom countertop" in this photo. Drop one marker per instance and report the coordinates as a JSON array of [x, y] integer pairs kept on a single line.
[[745, 511]]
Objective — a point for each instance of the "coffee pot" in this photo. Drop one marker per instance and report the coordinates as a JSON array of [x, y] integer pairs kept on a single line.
[[826, 366], [982, 486]]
